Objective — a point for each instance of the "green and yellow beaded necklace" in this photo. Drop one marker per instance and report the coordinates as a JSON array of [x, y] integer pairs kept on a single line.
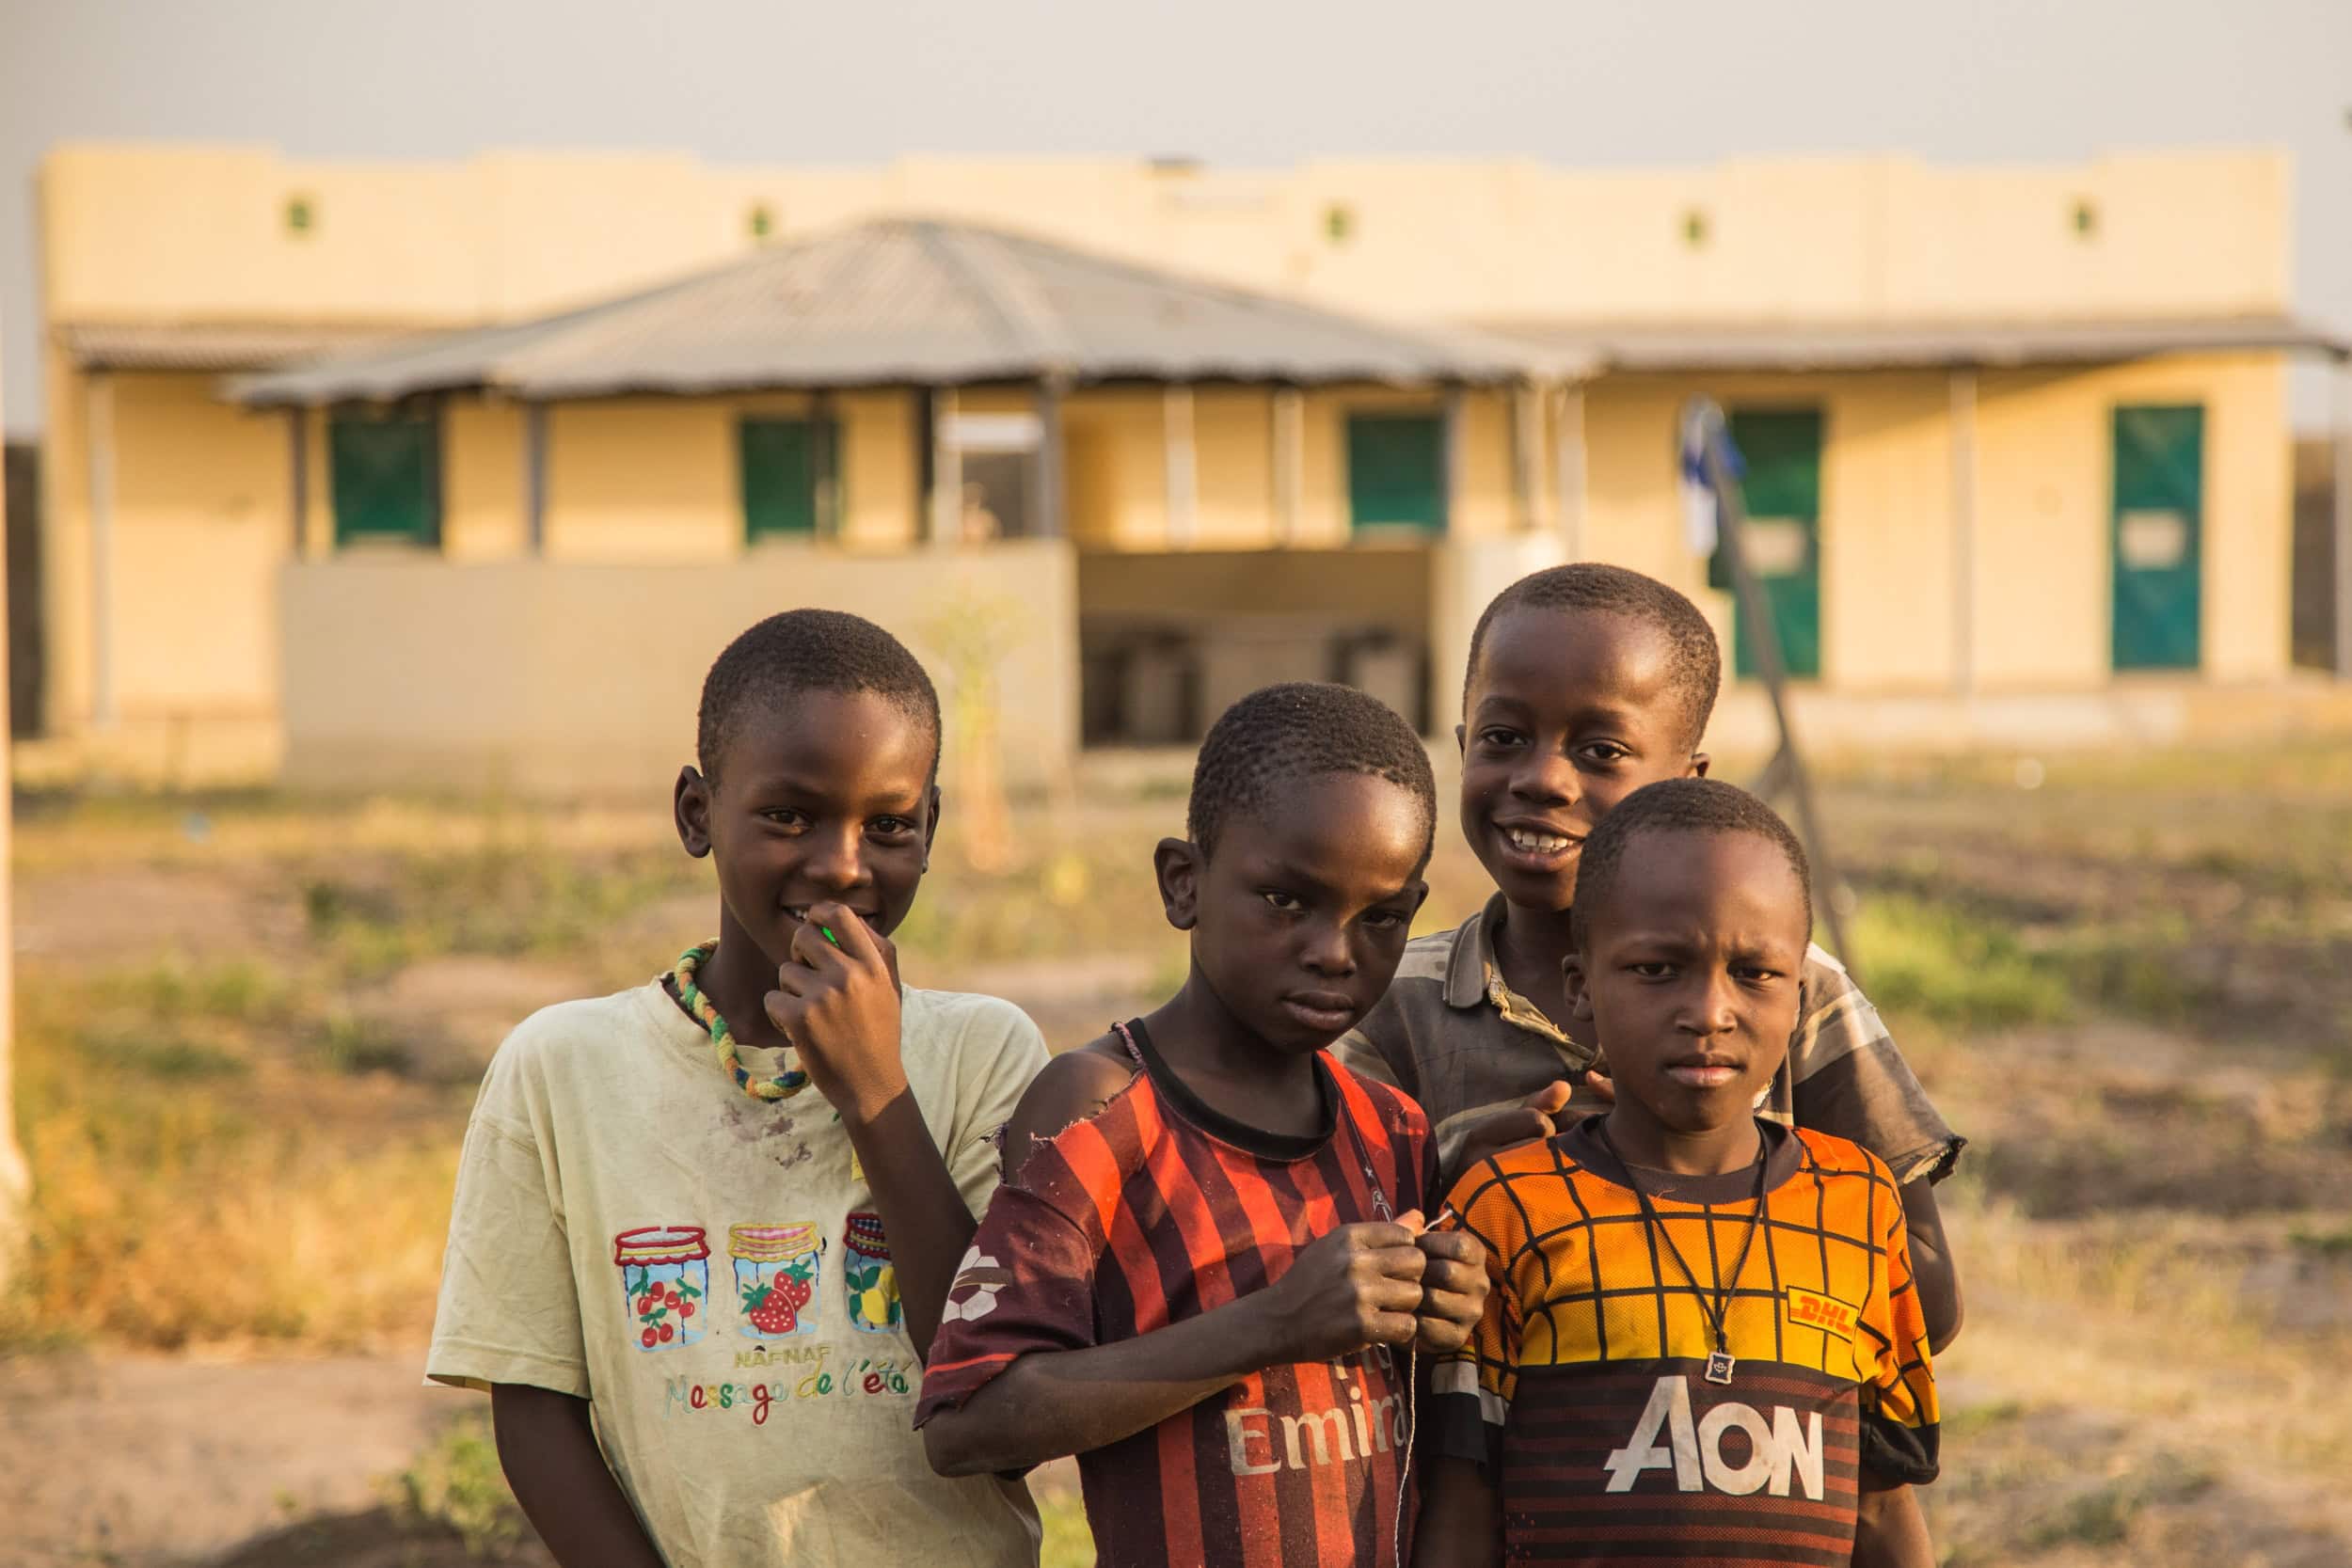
[[681, 980]]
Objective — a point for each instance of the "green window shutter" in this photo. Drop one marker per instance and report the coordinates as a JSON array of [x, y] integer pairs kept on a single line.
[[789, 467], [1781, 452], [1396, 471], [386, 475], [2157, 535]]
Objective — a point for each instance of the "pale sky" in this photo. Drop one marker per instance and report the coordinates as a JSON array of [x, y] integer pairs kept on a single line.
[[1234, 82]]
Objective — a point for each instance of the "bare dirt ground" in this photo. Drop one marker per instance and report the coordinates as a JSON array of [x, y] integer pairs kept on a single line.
[[2129, 984]]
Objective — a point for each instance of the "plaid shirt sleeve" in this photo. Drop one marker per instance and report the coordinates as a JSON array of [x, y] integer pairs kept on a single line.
[[1849, 1079]]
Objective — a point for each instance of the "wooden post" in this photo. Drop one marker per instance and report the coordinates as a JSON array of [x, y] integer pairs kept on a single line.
[[16, 1178], [1183, 475], [947, 471], [1527, 445], [1964, 417], [1290, 464], [99, 435], [298, 458], [2340, 380], [1450, 496], [1571, 475]]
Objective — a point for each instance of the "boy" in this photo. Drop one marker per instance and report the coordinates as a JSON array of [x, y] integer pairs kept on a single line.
[[1585, 683], [1703, 1343], [1196, 1280], [656, 1226]]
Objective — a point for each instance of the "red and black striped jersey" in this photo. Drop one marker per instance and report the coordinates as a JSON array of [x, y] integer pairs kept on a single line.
[[1160, 1209], [1585, 1388]]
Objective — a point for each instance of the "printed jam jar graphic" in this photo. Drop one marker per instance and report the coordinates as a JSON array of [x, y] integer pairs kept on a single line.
[[665, 1279], [775, 1278], [867, 1278]]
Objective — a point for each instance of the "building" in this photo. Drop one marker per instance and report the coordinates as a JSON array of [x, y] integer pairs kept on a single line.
[[2017, 440]]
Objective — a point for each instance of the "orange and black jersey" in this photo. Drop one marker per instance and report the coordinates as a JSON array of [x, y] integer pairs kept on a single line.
[[1159, 1209], [1584, 1389]]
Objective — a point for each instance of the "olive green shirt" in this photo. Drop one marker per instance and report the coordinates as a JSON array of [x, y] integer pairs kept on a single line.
[[1452, 1035]]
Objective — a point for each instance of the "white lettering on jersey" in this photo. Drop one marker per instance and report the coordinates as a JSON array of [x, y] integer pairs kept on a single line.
[[1777, 1450]]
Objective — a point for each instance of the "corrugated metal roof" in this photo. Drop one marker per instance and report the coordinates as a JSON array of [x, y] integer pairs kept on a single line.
[[205, 346], [911, 302], [1862, 346]]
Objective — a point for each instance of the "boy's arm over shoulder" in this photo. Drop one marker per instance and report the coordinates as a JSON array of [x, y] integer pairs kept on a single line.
[[509, 1308]]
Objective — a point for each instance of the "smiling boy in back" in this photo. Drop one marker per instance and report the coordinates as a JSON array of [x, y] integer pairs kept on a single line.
[[1585, 683]]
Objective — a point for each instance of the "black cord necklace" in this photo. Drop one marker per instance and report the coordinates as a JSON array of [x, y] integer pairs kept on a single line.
[[1717, 1304]]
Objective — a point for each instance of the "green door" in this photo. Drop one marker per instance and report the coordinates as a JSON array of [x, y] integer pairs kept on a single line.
[[1782, 451], [788, 467], [385, 472], [1396, 471], [2158, 536]]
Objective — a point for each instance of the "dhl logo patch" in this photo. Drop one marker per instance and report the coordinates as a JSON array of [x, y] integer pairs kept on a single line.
[[1826, 1313]]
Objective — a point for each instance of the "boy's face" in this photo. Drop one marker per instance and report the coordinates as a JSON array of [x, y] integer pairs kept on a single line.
[[1299, 918], [821, 795], [1567, 713], [1689, 979]]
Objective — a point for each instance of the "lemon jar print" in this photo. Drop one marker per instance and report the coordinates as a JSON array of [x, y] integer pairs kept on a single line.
[[866, 1277], [665, 1281], [775, 1278]]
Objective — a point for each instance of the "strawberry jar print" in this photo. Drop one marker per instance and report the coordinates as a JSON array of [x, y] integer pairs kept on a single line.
[[775, 1278], [665, 1279], [867, 1278]]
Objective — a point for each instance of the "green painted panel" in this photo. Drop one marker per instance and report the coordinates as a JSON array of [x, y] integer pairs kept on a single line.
[[1396, 471], [786, 466], [385, 477], [1781, 450], [2158, 536]]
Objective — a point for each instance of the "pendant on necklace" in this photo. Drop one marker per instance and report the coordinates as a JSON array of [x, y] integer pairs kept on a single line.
[[1719, 1365]]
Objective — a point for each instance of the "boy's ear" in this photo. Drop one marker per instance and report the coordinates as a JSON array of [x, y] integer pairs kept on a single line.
[[1461, 738], [1177, 862], [1698, 765], [690, 804], [931, 828], [1580, 1001]]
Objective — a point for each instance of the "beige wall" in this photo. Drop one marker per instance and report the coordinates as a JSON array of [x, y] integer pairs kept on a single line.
[[565, 677], [2041, 557], [508, 234]]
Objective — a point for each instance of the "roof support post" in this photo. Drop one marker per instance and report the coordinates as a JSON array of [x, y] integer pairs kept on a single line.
[[535, 478], [1570, 478], [1456, 400], [947, 469], [825, 462], [1289, 415], [100, 435], [298, 475], [1963, 421], [1183, 474], [1045, 497], [2340, 383], [1527, 446]]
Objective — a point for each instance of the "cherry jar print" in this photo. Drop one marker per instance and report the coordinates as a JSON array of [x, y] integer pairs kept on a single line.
[[665, 1279], [775, 1278], [866, 1277]]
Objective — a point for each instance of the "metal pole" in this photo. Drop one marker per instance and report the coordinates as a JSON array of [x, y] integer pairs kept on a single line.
[[1963, 418], [1763, 639], [100, 438], [1571, 480], [1046, 504], [535, 478], [1183, 475], [298, 476], [1453, 453], [2340, 383]]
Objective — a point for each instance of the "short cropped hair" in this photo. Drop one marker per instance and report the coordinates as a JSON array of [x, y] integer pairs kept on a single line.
[[1695, 667], [1279, 736], [1675, 806], [808, 650]]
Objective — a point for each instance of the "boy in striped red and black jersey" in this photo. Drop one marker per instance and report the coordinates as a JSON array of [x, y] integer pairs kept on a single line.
[[1207, 1264], [1703, 1342]]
